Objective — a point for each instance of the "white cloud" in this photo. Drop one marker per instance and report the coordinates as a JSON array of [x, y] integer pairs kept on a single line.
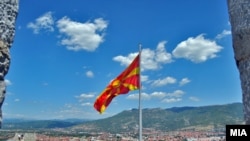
[[223, 34], [83, 97], [194, 98], [176, 93], [159, 95], [150, 59], [144, 96], [161, 54], [125, 61], [7, 82], [82, 36], [87, 104], [164, 81], [44, 22], [86, 95], [144, 78], [197, 49], [184, 81], [89, 74], [171, 100]]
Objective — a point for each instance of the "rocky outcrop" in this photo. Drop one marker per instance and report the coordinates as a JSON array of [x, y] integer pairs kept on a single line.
[[239, 13], [8, 14]]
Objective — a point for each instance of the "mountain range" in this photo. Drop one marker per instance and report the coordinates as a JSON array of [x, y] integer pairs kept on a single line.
[[204, 117], [216, 116]]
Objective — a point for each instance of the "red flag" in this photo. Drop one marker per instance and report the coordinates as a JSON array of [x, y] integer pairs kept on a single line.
[[127, 81]]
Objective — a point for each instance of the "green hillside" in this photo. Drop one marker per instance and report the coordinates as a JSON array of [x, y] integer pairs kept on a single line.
[[216, 116]]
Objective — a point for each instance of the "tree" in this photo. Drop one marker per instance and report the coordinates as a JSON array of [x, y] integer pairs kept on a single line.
[[239, 14], [8, 14]]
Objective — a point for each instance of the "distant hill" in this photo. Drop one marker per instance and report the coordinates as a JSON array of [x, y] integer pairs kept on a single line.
[[216, 116], [40, 124]]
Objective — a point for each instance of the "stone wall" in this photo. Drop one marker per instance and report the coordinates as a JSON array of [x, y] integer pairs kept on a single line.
[[239, 14], [8, 14]]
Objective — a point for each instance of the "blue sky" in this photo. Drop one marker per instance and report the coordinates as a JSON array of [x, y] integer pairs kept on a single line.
[[66, 52]]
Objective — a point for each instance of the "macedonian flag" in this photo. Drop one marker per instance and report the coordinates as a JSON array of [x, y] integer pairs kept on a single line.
[[127, 81]]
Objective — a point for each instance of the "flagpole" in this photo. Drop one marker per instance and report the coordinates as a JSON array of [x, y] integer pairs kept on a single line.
[[140, 110]]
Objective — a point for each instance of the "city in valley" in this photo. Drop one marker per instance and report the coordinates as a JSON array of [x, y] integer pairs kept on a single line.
[[206, 123], [148, 135]]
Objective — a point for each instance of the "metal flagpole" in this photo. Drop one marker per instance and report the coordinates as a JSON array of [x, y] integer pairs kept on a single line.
[[140, 110]]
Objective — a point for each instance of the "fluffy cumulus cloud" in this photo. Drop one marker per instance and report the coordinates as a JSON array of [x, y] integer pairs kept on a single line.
[[197, 49], [44, 22], [74, 35], [84, 97], [164, 97], [82, 36], [150, 59], [158, 95], [7, 82], [144, 96], [164, 81], [176, 93], [125, 60], [184, 81], [162, 56], [89, 74], [175, 96]]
